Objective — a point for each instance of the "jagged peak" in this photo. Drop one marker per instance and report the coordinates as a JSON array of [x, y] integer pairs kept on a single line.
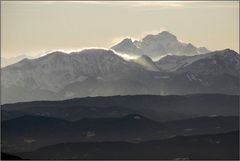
[[226, 51], [165, 35], [229, 50], [127, 40]]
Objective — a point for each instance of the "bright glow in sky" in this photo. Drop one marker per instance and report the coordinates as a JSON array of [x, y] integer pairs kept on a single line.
[[33, 27]]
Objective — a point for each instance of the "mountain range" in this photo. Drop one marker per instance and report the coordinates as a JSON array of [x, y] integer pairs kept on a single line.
[[96, 72]]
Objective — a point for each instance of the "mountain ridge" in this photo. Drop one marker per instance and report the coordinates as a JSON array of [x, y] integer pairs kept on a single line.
[[157, 45], [95, 72]]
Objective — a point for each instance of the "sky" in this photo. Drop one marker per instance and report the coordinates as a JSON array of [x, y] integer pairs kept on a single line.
[[31, 28]]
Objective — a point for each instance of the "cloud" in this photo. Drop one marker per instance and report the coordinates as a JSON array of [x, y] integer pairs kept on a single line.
[[184, 4], [143, 4], [126, 56], [159, 4], [162, 4]]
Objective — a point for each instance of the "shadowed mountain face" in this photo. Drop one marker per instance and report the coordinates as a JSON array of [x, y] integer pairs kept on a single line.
[[218, 146], [158, 45], [99, 72]]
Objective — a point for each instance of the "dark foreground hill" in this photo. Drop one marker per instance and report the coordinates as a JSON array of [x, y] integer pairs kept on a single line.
[[27, 133], [218, 146], [159, 108], [5, 156], [32, 125]]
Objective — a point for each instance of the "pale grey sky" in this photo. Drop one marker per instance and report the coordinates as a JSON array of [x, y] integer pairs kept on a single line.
[[34, 27]]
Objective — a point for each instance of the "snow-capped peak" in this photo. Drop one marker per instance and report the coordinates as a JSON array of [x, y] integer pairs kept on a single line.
[[158, 45]]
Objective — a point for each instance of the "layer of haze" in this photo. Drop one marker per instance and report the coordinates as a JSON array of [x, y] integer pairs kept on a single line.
[[33, 27]]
